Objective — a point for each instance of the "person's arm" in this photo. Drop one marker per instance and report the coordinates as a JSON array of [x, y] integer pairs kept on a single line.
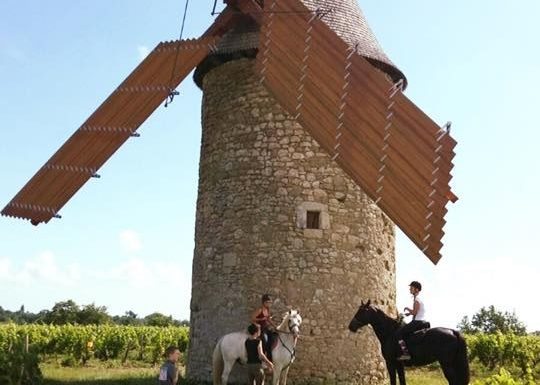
[[254, 318], [263, 357], [414, 310], [271, 322], [173, 374]]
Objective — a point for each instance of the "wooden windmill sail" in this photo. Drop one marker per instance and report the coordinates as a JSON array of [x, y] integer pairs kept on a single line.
[[335, 89]]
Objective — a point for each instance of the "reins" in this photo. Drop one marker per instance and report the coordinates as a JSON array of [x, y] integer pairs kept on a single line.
[[291, 352]]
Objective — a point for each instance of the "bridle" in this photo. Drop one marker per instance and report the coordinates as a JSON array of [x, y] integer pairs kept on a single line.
[[362, 323], [291, 325]]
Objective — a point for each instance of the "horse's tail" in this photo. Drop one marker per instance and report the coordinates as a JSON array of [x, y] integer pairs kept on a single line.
[[217, 363], [461, 361]]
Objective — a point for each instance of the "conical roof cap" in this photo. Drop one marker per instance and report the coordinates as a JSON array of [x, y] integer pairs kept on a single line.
[[343, 16], [348, 21]]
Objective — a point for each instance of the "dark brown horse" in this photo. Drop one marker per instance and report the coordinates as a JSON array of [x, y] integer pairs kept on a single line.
[[444, 345]]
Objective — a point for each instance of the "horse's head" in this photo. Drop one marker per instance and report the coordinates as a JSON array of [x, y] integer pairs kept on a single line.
[[293, 320], [362, 316]]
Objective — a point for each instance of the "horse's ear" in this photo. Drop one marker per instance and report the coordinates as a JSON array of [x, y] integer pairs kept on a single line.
[[368, 302], [362, 303]]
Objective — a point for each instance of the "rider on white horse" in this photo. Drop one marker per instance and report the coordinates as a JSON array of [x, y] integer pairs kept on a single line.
[[262, 317], [231, 348]]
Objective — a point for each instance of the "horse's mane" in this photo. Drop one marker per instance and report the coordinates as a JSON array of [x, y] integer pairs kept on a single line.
[[381, 315], [283, 327]]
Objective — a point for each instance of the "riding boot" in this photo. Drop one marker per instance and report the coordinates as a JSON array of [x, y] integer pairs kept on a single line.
[[269, 352], [404, 351]]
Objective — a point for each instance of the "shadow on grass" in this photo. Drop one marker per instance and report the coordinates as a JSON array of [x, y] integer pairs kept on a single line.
[[126, 381]]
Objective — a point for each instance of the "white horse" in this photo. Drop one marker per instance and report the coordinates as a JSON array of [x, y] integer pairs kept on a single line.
[[231, 347]]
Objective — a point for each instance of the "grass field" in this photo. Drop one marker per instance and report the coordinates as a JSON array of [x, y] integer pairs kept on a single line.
[[55, 375]]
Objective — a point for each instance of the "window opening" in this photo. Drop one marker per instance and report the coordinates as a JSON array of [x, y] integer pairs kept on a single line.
[[313, 220]]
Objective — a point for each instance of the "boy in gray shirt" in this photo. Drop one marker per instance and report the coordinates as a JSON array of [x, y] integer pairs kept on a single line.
[[168, 373]]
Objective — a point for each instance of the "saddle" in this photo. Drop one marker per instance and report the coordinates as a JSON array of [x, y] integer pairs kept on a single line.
[[418, 335]]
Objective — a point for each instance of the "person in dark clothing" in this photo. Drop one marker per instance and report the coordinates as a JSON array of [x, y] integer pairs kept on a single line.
[[262, 317], [256, 356], [168, 373]]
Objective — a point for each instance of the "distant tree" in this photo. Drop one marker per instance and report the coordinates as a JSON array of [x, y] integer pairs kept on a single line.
[[4, 316], [63, 313], [184, 322], [93, 315], [490, 320], [129, 318], [158, 319], [42, 316]]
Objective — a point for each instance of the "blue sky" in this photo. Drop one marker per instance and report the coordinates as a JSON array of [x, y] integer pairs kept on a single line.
[[126, 240]]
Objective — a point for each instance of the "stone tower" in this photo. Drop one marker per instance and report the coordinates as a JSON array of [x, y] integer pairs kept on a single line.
[[275, 214]]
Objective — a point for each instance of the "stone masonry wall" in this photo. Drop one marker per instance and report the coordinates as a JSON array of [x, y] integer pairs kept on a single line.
[[259, 174]]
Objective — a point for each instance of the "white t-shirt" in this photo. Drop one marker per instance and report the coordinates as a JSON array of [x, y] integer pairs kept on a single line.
[[421, 314]]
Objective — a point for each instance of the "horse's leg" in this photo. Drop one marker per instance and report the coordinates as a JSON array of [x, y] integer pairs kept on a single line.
[[401, 373], [276, 373], [391, 366], [226, 371], [283, 377], [449, 373]]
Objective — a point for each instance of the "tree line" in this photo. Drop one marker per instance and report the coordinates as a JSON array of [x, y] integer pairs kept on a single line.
[[69, 312], [489, 320]]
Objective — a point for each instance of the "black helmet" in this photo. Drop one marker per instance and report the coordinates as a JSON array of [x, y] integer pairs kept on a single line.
[[416, 285]]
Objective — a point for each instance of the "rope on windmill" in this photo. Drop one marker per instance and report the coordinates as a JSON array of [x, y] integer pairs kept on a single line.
[[434, 175], [267, 39], [397, 87], [173, 92], [304, 68], [343, 98]]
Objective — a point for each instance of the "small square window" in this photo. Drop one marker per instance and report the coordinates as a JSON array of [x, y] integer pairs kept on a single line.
[[313, 220]]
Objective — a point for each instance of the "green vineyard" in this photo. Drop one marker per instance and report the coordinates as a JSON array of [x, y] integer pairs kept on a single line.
[[496, 359], [79, 344]]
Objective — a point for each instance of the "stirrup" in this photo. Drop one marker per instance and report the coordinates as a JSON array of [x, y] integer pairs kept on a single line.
[[404, 357]]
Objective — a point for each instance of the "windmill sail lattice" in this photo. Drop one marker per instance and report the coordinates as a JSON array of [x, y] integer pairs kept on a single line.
[[110, 126], [395, 152]]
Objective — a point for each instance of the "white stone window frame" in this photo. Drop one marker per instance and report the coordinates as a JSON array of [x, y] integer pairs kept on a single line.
[[301, 215]]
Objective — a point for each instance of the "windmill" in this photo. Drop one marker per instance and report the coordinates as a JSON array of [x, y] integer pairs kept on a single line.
[[310, 152]]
